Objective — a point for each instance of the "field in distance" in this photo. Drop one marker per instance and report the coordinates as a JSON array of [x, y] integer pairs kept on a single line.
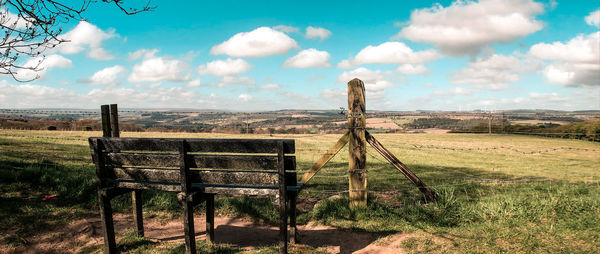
[[499, 193]]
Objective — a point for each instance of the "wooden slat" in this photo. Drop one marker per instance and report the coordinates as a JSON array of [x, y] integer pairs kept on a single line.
[[200, 161], [203, 176], [148, 186], [199, 145], [240, 191]]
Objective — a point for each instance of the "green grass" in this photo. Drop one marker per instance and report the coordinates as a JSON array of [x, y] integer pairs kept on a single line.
[[498, 193]]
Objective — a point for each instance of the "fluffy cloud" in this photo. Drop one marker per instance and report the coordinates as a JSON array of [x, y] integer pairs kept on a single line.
[[263, 41], [227, 67], [390, 53], [245, 97], [308, 58], [271, 87], [411, 69], [235, 80], [43, 65], [193, 83], [317, 32], [108, 76], [86, 35], [158, 69], [593, 19], [490, 73], [375, 81], [574, 63], [142, 53], [286, 29], [465, 27]]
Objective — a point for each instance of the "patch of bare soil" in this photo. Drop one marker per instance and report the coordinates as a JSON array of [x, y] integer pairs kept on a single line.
[[85, 233]]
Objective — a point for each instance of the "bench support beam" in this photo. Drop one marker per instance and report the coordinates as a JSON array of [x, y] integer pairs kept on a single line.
[[110, 245], [210, 218]]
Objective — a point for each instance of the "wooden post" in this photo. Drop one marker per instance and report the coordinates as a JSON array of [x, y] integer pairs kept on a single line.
[[210, 218], [105, 113], [283, 230], [188, 207], [293, 229], [110, 245], [114, 120], [136, 205], [357, 149]]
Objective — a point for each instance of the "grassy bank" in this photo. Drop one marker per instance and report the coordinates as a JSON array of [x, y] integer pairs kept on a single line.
[[499, 193]]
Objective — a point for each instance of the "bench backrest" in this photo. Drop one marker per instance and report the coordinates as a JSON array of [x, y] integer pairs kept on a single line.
[[181, 165]]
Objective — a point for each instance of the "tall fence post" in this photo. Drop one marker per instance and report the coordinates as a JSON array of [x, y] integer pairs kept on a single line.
[[105, 113], [357, 159]]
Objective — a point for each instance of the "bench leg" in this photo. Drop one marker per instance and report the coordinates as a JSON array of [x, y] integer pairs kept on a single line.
[[136, 204], [210, 218], [293, 229], [188, 224], [283, 236], [110, 246]]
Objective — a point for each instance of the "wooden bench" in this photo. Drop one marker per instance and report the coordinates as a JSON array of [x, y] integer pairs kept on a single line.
[[196, 169]]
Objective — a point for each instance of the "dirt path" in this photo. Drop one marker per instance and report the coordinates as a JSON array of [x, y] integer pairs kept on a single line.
[[85, 233]]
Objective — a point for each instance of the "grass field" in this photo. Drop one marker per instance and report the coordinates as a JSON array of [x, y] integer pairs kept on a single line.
[[498, 193]]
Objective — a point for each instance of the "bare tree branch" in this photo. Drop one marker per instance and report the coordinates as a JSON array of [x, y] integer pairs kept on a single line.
[[30, 27]]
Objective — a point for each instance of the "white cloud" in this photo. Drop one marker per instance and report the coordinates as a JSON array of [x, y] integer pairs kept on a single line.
[[142, 53], [263, 41], [235, 80], [244, 97], [593, 19], [271, 87], [159, 69], [9, 19], [375, 81], [308, 58], [317, 32], [43, 65], [390, 53], [465, 27], [453, 91], [411, 69], [226, 67], [575, 63], [490, 73], [87, 35], [108, 76], [193, 83], [286, 29]]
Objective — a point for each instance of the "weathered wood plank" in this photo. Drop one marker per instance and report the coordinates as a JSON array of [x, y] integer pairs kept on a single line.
[[148, 186], [357, 148], [203, 176], [240, 191], [325, 158], [429, 194], [199, 145], [200, 161]]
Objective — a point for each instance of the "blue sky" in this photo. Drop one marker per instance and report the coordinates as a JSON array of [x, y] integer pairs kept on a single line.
[[270, 55]]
